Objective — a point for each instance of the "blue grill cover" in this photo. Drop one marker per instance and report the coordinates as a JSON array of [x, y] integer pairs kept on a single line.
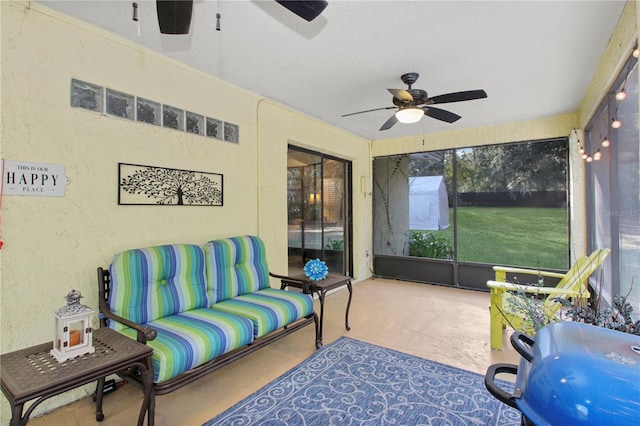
[[581, 374]]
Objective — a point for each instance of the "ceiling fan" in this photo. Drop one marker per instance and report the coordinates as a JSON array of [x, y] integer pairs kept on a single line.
[[174, 16], [412, 104]]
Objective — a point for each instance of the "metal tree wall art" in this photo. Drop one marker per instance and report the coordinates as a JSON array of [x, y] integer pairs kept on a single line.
[[163, 186]]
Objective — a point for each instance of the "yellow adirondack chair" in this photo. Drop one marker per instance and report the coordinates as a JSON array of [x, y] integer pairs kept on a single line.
[[507, 297]]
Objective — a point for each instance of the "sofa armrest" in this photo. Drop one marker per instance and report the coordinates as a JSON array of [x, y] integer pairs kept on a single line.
[[297, 282], [145, 333], [104, 287]]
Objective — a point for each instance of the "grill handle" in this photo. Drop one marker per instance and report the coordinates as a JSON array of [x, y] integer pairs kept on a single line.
[[497, 391], [523, 344]]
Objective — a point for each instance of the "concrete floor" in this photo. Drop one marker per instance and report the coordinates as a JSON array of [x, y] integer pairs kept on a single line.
[[438, 323]]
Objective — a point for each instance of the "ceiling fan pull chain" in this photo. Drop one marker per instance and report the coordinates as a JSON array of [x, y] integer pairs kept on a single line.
[[136, 16]]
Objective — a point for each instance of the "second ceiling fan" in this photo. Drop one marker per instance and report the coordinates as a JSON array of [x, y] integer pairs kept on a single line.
[[412, 104]]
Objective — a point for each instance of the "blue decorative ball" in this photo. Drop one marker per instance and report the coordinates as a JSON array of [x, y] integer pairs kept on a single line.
[[316, 269]]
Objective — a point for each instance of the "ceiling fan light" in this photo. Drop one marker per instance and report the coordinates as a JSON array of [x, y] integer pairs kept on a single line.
[[409, 115]]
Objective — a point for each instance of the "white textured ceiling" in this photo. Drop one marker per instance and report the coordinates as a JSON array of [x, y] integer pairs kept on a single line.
[[534, 59]]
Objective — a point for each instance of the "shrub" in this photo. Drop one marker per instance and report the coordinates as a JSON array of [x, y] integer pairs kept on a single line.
[[428, 244]]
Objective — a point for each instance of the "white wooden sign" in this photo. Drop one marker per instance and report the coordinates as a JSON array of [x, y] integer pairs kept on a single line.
[[33, 179]]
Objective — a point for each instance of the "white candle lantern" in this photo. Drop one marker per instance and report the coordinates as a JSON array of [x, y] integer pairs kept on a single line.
[[73, 335]]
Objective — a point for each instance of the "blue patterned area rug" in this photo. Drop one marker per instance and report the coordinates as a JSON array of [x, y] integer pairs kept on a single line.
[[349, 382]]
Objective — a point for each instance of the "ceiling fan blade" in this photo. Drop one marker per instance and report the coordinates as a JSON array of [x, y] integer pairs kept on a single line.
[[174, 16], [368, 110], [401, 94], [441, 114], [389, 123], [468, 95], [309, 9]]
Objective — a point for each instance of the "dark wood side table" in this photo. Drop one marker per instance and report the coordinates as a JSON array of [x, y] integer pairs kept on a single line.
[[32, 373], [321, 287]]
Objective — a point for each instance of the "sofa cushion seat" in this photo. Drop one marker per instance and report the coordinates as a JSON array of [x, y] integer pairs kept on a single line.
[[189, 339], [269, 309]]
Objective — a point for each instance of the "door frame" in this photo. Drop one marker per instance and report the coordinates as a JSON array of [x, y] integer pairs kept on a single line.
[[347, 204]]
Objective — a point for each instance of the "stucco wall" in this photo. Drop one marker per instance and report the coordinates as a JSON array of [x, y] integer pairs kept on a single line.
[[52, 245], [280, 126]]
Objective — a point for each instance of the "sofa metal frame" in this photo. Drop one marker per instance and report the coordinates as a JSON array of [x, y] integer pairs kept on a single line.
[[146, 334]]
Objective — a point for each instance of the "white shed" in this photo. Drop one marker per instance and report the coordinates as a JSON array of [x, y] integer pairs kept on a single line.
[[428, 203]]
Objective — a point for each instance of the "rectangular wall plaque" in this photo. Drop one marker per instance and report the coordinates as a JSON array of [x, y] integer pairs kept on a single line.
[[150, 185], [33, 179]]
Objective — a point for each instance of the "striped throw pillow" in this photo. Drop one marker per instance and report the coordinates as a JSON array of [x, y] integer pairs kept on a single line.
[[235, 266], [154, 282]]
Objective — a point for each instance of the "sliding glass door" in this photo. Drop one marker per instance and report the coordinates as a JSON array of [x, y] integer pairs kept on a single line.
[[319, 210]]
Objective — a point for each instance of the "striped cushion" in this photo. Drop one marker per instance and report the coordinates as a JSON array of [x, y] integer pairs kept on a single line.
[[235, 266], [154, 282], [189, 339], [269, 309]]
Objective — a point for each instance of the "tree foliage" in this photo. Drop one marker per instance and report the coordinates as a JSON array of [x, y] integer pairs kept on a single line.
[[521, 167]]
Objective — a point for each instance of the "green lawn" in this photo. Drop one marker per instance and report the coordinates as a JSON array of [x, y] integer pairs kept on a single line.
[[517, 236]]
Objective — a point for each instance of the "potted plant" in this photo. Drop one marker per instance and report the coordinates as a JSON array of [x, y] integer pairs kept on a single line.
[[615, 317]]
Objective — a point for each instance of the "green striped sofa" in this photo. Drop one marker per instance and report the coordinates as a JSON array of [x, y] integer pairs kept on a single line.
[[199, 308]]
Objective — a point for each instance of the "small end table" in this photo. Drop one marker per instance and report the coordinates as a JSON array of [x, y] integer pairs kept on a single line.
[[32, 373], [321, 287]]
